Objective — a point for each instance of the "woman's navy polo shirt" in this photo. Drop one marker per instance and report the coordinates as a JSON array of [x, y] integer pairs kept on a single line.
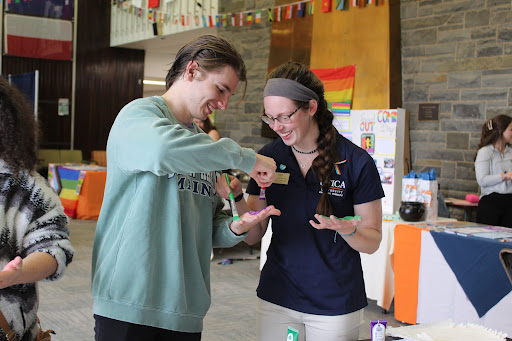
[[309, 270]]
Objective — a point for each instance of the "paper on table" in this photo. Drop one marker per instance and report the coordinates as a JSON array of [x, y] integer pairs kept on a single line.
[[446, 331]]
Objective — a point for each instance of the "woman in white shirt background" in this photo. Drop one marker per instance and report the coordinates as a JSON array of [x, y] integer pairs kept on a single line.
[[493, 170]]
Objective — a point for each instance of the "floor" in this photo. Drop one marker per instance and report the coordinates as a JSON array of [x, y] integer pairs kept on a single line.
[[65, 305]]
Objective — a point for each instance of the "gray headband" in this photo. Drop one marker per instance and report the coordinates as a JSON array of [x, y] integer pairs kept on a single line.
[[290, 89]]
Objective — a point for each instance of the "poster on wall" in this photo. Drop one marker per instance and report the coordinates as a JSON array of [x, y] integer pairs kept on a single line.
[[381, 133]]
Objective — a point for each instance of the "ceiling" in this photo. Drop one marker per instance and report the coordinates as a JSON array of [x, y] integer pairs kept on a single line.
[[161, 51]]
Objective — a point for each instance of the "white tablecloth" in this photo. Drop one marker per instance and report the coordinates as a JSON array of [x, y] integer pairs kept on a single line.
[[378, 267], [441, 297]]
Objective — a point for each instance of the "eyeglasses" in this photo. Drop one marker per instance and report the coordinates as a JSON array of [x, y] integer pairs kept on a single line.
[[284, 119]]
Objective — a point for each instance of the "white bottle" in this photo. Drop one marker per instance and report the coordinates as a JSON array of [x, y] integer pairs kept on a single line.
[[379, 331]]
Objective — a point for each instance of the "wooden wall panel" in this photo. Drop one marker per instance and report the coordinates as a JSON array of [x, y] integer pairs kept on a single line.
[[358, 36], [107, 78], [290, 41], [54, 83]]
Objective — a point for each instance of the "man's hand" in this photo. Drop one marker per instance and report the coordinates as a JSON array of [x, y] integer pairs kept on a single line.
[[223, 189], [264, 171]]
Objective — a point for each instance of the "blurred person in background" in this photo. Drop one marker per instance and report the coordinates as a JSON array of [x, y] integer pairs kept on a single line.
[[493, 170], [208, 128]]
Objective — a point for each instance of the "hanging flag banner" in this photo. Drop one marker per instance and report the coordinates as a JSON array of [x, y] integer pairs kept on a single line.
[[289, 10], [60, 9], [258, 17], [277, 13], [310, 8], [326, 6], [340, 4], [270, 15], [300, 10], [38, 37], [153, 3], [338, 87]]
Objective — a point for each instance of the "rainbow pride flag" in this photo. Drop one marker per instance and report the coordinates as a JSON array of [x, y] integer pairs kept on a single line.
[[339, 87], [70, 181]]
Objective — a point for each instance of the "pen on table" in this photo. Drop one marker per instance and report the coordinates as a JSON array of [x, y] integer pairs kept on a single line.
[[232, 200]]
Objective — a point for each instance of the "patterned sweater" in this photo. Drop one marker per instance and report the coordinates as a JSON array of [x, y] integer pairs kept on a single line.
[[32, 220]]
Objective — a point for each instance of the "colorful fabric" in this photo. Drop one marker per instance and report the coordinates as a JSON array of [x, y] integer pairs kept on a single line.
[[300, 10], [467, 257], [340, 4], [258, 17], [338, 87], [68, 195], [62, 9], [153, 3]]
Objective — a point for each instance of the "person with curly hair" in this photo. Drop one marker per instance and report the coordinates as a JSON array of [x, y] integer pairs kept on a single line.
[[34, 241], [493, 171], [312, 279]]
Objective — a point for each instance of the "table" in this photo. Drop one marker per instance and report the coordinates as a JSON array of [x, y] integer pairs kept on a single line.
[[378, 267], [80, 188], [457, 276], [464, 204]]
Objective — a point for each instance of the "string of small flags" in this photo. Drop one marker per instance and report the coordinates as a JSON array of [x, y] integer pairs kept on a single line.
[[244, 18]]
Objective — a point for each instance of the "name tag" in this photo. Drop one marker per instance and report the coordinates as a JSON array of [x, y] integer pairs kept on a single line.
[[282, 178]]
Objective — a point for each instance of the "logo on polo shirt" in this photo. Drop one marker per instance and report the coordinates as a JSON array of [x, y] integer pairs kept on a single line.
[[336, 188]]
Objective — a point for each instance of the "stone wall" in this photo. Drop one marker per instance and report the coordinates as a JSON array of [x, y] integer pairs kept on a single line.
[[457, 53], [241, 121]]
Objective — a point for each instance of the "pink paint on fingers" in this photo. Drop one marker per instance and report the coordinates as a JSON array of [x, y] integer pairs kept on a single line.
[[256, 212]]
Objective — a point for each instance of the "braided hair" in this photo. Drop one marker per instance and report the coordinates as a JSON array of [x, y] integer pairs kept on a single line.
[[323, 164]]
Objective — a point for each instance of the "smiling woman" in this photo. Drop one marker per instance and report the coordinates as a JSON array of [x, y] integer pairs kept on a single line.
[[313, 270]]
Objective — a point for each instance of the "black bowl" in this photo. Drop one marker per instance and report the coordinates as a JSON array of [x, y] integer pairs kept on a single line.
[[412, 211]]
